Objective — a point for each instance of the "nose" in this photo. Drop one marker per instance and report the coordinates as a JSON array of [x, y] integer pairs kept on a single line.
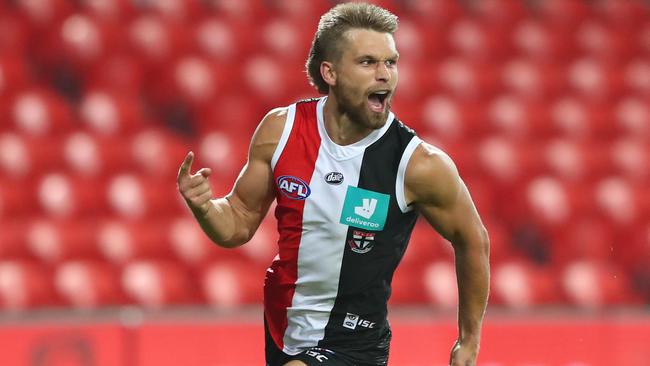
[[382, 73]]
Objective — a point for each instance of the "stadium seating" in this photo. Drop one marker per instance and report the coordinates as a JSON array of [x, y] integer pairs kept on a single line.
[[543, 105]]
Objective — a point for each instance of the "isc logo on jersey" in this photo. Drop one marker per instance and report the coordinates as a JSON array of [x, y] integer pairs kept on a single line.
[[294, 188], [351, 321]]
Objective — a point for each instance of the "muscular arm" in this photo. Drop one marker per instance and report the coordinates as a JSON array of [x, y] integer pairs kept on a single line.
[[433, 185], [232, 220]]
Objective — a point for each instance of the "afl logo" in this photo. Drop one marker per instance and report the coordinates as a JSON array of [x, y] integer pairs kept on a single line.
[[335, 178], [294, 188]]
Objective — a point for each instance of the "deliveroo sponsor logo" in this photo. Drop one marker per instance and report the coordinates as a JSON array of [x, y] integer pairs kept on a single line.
[[365, 209]]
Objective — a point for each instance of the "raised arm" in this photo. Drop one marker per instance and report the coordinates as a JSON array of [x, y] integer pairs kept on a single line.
[[232, 220], [433, 185]]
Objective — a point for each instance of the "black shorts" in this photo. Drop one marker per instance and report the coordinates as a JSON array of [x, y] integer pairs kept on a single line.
[[315, 356]]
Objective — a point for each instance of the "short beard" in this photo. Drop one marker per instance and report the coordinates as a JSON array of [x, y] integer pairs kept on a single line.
[[359, 113]]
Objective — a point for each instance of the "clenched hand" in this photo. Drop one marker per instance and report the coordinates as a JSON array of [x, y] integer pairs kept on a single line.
[[463, 354], [195, 188]]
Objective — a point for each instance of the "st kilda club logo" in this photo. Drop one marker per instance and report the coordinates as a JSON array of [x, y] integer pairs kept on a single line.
[[361, 241]]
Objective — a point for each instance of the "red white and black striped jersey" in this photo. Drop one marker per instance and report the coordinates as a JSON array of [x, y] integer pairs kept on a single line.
[[344, 226]]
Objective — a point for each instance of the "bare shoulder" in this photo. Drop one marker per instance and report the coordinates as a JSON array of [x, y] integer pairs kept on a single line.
[[268, 133], [431, 176]]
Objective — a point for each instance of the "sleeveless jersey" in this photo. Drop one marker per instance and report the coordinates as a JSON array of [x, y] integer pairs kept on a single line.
[[344, 225]]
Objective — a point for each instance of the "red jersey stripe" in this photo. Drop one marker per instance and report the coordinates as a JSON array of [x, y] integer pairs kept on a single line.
[[296, 163]]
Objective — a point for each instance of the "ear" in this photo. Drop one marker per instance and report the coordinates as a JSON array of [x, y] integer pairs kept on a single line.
[[328, 73]]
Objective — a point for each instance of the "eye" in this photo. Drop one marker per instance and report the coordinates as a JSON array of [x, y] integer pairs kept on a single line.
[[391, 62], [367, 62]]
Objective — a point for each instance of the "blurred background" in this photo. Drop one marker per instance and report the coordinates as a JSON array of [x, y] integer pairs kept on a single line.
[[543, 104]]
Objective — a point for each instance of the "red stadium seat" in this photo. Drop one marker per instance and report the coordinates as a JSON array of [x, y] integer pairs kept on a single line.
[[504, 160], [39, 112], [82, 154], [627, 13], [83, 40], [179, 11], [615, 199], [194, 80], [154, 284], [569, 117], [566, 159], [14, 33], [157, 152], [128, 195], [520, 285], [501, 246], [410, 73], [216, 38], [90, 155], [240, 10], [631, 158], [60, 195], [503, 13], [135, 196], [517, 118], [590, 284], [14, 74], [25, 285], [299, 10], [53, 241], [149, 38], [644, 37], [116, 74], [592, 79], [596, 40], [443, 117], [284, 39], [632, 116], [467, 80], [262, 247], [637, 77], [425, 246], [266, 80], [548, 201], [43, 14], [230, 284], [441, 12], [471, 40], [17, 198], [532, 79], [125, 241], [408, 286], [191, 245], [109, 10], [88, 284], [563, 13], [440, 286], [414, 42], [15, 159], [236, 114], [108, 114], [12, 237], [585, 239], [223, 152]]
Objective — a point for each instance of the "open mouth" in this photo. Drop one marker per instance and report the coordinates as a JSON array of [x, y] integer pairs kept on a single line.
[[377, 100]]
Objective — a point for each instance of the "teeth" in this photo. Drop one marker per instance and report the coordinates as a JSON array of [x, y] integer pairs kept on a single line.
[[381, 92]]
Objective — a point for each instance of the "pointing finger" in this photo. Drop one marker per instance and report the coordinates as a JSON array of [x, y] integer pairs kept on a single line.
[[186, 165]]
